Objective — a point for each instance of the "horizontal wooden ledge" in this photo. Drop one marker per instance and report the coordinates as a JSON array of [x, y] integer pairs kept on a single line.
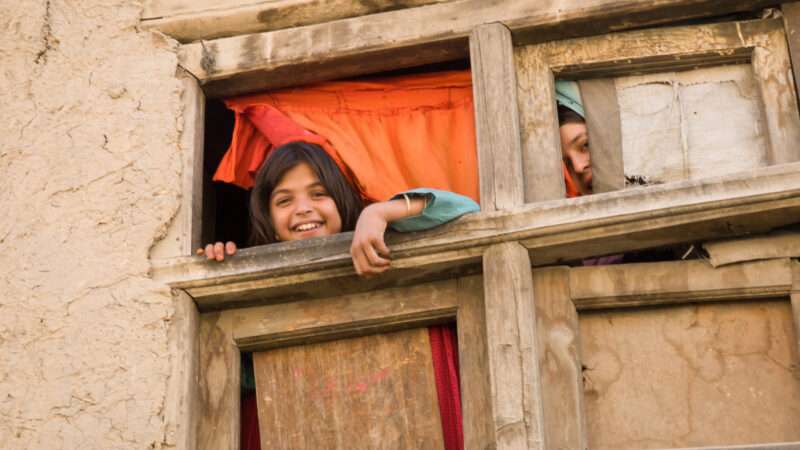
[[415, 36], [192, 23], [775, 446], [554, 231], [629, 285]]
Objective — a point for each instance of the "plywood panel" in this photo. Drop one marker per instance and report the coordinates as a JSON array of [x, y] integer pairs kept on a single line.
[[372, 392], [691, 376]]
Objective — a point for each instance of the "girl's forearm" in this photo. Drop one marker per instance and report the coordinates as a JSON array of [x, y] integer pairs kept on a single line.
[[397, 209]]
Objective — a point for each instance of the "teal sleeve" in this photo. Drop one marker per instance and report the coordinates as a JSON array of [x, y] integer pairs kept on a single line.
[[443, 206]]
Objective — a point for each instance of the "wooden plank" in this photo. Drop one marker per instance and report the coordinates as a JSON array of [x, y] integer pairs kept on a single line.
[[218, 378], [415, 36], [541, 142], [514, 374], [558, 341], [496, 117], [554, 231], [781, 244], [645, 284], [473, 362], [657, 50], [777, 446], [791, 24], [795, 298], [181, 407], [211, 19], [192, 147], [374, 391], [603, 123], [343, 316]]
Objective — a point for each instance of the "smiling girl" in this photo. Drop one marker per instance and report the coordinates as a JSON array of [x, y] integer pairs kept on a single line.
[[301, 193]]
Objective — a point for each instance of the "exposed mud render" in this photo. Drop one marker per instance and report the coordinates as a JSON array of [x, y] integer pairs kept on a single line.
[[90, 163]]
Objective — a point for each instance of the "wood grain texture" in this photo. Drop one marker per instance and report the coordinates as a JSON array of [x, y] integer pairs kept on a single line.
[[331, 318], [192, 147], [473, 361], [645, 284], [603, 123], [558, 352], [189, 22], [496, 117], [665, 49], [791, 24], [780, 244], [415, 36], [370, 392], [181, 409], [778, 446], [795, 299], [218, 380], [511, 340], [553, 231], [541, 142]]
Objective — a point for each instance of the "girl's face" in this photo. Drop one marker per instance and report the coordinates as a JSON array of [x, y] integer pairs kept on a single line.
[[301, 208], [576, 154]]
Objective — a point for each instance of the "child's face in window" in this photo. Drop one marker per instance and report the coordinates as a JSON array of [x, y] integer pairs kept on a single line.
[[575, 151], [301, 208]]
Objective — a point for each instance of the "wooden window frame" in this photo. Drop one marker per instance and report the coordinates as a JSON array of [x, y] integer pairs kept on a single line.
[[542, 233]]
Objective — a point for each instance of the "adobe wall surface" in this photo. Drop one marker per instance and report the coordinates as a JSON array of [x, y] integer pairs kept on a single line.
[[90, 169]]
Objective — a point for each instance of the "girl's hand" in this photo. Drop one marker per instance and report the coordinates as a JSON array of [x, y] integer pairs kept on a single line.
[[369, 251], [218, 250]]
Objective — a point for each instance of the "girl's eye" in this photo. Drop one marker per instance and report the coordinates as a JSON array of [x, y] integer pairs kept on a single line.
[[319, 194], [282, 201]]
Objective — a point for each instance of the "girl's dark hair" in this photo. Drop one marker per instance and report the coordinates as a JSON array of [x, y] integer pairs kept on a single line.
[[285, 158], [566, 115]]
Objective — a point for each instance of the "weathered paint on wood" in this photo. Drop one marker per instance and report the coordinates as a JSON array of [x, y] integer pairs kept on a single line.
[[375, 391], [218, 380], [645, 284], [564, 229], [795, 299], [496, 117], [211, 19], [604, 125], [558, 352], [415, 36]]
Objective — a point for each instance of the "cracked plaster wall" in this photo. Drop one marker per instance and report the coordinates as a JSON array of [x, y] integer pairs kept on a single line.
[[90, 169], [691, 376]]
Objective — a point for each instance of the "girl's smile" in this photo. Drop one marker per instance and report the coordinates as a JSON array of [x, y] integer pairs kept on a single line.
[[301, 208]]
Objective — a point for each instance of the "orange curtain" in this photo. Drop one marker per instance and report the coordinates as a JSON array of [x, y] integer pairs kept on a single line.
[[388, 135]]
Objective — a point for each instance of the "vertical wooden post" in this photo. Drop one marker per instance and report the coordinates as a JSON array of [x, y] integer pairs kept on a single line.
[[219, 374], [603, 123], [192, 138], [795, 298], [508, 287], [541, 142], [181, 408], [791, 23], [558, 339]]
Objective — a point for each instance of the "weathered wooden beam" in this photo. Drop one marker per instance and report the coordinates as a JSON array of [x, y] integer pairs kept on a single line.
[[791, 23], [181, 408], [511, 339], [219, 381], [781, 244], [515, 389], [558, 352], [415, 36], [280, 325], [778, 446], [193, 21], [473, 360], [796, 301], [564, 229], [630, 285], [494, 85]]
